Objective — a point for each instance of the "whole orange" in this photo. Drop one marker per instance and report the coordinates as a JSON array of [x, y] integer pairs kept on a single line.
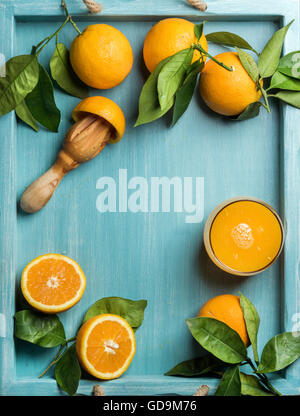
[[101, 56], [227, 308], [227, 92], [167, 37]]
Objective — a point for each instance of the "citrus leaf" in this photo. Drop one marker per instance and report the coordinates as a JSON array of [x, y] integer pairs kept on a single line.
[[196, 367], [249, 64], [198, 29], [22, 74], [270, 56], [43, 330], [218, 338], [230, 384], [290, 64], [67, 371], [229, 39], [252, 321], [25, 115], [41, 102], [251, 111], [185, 93], [63, 74], [289, 97], [171, 76], [251, 386], [281, 351], [149, 108], [284, 82], [131, 310]]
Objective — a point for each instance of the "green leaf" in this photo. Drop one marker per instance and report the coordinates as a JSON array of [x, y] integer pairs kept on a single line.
[[230, 384], [149, 108], [63, 73], [251, 111], [218, 338], [252, 322], [251, 386], [131, 310], [198, 29], [281, 351], [290, 64], [67, 371], [44, 330], [185, 93], [22, 74], [25, 115], [229, 39], [289, 97], [171, 76], [284, 82], [41, 103], [196, 367], [249, 64], [270, 56]]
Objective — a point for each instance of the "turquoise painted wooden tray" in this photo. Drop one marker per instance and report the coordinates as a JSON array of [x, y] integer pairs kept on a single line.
[[153, 255]]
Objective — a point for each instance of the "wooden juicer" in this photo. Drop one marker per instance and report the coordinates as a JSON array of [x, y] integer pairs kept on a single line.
[[98, 121]]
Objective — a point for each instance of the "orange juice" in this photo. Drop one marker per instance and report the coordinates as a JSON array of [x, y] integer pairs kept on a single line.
[[243, 236]]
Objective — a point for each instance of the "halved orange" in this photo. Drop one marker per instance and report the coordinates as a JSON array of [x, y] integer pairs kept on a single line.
[[103, 107], [52, 283], [105, 346]]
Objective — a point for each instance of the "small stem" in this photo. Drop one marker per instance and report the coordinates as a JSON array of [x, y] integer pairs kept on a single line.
[[269, 385], [70, 340], [57, 356], [201, 50], [55, 359], [52, 36], [263, 378], [263, 92], [63, 4]]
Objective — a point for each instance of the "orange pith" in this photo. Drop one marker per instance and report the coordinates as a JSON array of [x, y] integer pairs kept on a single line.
[[105, 346], [168, 37], [52, 283], [227, 308]]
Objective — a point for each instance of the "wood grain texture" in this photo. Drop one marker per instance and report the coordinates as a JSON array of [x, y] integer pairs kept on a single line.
[[8, 223], [156, 256]]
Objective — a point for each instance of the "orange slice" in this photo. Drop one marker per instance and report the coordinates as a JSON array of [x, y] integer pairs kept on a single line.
[[105, 108], [105, 346], [52, 283]]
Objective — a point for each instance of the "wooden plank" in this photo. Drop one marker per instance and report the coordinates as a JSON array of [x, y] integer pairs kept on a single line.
[[138, 386], [8, 216], [250, 9], [290, 195], [72, 236]]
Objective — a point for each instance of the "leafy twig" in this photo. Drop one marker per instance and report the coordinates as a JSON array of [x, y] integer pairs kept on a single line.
[[47, 40], [265, 97], [263, 378], [199, 48], [63, 4], [57, 356], [54, 361]]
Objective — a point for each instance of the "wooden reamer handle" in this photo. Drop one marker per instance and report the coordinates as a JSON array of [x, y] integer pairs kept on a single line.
[[84, 140]]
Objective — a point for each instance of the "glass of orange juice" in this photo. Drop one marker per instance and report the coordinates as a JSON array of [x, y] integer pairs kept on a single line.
[[243, 236]]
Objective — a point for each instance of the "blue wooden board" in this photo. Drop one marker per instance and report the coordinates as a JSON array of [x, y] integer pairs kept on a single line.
[[153, 255]]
